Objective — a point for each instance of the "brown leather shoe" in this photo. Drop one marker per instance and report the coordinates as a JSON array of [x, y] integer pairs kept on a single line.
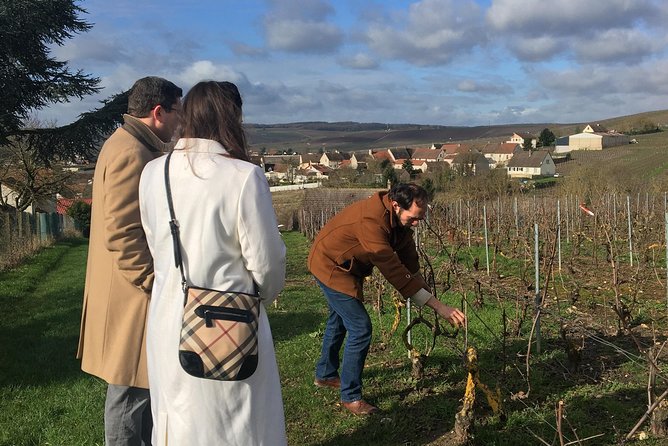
[[334, 383], [360, 407]]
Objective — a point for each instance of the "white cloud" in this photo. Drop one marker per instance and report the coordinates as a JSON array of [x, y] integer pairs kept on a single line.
[[360, 61], [535, 17], [595, 30], [432, 32], [617, 45], [306, 9], [303, 36], [301, 26], [535, 49], [243, 50], [208, 70], [474, 86]]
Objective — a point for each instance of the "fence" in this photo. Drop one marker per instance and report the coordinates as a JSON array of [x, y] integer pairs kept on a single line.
[[295, 187], [21, 233]]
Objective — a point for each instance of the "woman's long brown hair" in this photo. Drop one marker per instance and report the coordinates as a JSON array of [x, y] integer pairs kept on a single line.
[[212, 110]]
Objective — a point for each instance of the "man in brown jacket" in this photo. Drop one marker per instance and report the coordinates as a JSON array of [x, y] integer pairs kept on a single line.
[[372, 232], [119, 275]]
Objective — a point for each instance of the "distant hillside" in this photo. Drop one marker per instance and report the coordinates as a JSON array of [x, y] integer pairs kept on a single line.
[[312, 136]]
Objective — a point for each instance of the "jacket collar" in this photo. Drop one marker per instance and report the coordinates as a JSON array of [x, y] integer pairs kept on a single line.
[[387, 204], [144, 134], [200, 145]]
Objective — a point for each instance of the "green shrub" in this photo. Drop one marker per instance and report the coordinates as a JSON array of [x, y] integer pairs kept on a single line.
[[80, 213]]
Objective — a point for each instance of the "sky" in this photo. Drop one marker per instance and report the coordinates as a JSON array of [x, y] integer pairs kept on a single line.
[[443, 62]]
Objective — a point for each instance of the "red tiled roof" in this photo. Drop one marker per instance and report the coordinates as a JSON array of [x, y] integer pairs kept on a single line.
[[502, 148], [451, 149], [63, 204], [426, 154], [382, 155]]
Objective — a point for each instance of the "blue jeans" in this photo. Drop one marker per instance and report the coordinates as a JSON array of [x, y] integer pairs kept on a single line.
[[346, 314]]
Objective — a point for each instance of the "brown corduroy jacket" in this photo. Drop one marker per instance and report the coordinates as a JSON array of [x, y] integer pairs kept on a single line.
[[361, 236]]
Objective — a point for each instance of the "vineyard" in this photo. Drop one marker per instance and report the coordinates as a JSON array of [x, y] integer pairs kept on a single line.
[[566, 303], [632, 162]]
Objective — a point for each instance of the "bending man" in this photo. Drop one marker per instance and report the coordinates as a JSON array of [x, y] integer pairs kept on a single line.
[[372, 232]]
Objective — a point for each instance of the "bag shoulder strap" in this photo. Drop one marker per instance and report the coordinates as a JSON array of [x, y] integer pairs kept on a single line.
[[174, 227]]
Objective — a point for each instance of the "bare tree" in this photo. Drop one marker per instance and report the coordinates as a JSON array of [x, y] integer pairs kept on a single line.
[[27, 178]]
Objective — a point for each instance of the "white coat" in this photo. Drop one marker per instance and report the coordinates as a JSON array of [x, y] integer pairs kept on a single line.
[[229, 239]]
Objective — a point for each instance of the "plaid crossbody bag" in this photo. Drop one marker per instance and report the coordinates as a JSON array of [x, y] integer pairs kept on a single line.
[[220, 328]]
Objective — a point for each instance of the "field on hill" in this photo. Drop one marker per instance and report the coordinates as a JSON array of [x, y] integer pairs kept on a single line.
[[645, 160], [358, 136]]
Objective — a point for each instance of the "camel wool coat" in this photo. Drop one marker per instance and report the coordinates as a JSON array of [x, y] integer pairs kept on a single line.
[[119, 273]]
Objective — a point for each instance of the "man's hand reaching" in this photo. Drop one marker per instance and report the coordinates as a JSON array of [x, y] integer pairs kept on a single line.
[[450, 314]]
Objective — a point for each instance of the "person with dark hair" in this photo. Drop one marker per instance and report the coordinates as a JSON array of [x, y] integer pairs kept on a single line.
[[229, 241], [375, 232], [119, 274]]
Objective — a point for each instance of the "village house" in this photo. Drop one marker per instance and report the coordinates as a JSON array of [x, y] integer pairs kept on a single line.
[[269, 162], [333, 160], [428, 154], [561, 147], [596, 137], [399, 153], [257, 160], [362, 159], [531, 164], [454, 149], [10, 193], [309, 159], [498, 155], [470, 162], [418, 165], [523, 137], [450, 152], [277, 172]]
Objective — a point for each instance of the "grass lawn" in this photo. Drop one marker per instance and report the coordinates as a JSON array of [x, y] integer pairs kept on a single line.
[[46, 400]]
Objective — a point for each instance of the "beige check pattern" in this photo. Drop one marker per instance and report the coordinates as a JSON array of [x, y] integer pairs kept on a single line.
[[223, 347]]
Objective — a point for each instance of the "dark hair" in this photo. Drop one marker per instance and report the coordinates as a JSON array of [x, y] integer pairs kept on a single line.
[[148, 92], [407, 193], [212, 110]]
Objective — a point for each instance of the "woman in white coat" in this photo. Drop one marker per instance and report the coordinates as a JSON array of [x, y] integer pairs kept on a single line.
[[229, 240]]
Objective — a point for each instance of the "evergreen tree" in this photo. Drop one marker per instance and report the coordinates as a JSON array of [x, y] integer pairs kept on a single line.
[[80, 211], [30, 79], [390, 176], [546, 138], [428, 185], [408, 167]]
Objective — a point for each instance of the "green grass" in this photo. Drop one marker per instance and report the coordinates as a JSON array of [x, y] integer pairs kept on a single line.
[[46, 399]]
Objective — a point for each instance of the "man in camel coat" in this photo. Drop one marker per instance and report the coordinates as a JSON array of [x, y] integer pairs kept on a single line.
[[119, 274]]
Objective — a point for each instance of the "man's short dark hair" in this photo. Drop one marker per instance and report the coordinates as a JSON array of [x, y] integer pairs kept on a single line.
[[148, 92], [407, 193]]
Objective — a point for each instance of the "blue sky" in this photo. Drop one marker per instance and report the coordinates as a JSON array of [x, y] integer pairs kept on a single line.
[[446, 62]]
